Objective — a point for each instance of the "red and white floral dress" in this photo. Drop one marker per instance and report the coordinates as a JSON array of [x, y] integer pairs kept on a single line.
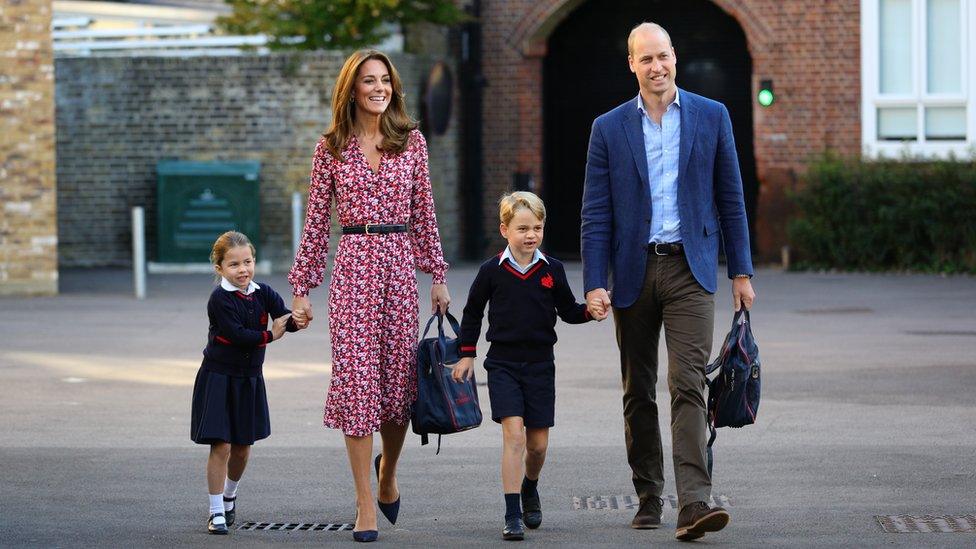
[[373, 293]]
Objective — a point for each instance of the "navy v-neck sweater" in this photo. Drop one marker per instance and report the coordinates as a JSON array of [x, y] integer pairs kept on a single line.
[[239, 329], [522, 310]]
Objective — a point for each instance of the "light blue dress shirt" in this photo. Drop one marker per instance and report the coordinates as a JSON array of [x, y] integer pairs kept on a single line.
[[661, 144], [536, 257]]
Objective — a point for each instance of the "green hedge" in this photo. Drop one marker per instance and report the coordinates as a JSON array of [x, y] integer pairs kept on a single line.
[[874, 215]]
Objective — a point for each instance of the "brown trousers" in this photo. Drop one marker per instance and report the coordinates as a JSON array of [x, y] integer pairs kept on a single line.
[[671, 296]]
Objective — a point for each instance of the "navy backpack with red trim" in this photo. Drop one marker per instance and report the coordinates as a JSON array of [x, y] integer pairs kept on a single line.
[[733, 395], [443, 406]]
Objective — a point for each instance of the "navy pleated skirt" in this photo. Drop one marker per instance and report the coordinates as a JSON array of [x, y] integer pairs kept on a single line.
[[228, 408]]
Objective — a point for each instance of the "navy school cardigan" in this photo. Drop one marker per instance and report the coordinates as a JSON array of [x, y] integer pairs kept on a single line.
[[238, 329]]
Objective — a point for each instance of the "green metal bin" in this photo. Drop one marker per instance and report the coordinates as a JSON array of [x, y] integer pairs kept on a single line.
[[198, 201]]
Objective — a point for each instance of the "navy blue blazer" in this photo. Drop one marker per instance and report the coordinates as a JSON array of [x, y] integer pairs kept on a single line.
[[616, 215]]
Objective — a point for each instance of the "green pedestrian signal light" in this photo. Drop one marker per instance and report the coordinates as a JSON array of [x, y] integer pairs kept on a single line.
[[766, 96]]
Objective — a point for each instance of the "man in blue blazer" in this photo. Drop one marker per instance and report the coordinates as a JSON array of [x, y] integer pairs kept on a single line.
[[662, 183]]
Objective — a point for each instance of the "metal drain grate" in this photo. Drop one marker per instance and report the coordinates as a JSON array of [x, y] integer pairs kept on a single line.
[[632, 502], [836, 311], [927, 524], [295, 526], [941, 332]]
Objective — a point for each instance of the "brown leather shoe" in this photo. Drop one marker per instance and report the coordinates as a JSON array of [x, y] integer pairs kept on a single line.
[[648, 516], [696, 519]]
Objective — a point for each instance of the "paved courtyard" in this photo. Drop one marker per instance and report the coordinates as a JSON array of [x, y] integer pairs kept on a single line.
[[868, 409]]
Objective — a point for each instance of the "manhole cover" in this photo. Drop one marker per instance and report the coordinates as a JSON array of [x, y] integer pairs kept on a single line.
[[836, 311], [906, 524], [295, 526], [632, 502], [941, 333]]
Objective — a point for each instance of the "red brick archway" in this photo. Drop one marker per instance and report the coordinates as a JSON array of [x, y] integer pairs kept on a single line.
[[817, 91]]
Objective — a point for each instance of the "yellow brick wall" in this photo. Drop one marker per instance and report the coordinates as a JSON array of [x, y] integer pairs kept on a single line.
[[28, 205]]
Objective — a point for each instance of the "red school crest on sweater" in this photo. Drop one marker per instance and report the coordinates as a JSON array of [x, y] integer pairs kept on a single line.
[[547, 281]]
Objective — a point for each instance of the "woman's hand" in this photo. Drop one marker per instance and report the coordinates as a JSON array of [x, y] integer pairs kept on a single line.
[[463, 370], [439, 298], [301, 311]]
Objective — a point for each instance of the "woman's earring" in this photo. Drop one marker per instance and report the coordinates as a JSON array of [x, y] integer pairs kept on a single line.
[[352, 98]]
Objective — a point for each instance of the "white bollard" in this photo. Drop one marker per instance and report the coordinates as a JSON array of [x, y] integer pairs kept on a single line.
[[296, 222], [139, 251]]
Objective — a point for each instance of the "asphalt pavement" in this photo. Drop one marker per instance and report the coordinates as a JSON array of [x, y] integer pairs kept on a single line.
[[868, 410]]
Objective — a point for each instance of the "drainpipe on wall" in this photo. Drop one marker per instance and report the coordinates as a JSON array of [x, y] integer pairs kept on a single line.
[[472, 82]]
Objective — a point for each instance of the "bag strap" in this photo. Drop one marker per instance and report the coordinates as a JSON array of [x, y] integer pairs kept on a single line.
[[427, 327], [710, 421], [425, 439], [441, 337]]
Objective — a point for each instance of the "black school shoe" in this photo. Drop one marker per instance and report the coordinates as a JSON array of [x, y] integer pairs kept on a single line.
[[514, 531], [219, 528], [532, 510], [232, 514]]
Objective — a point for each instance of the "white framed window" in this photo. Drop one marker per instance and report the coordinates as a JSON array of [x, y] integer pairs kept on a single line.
[[918, 83]]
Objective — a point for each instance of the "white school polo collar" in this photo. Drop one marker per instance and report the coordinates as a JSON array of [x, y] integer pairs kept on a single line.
[[227, 285]]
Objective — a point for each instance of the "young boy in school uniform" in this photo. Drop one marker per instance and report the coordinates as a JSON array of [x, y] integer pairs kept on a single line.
[[524, 290]]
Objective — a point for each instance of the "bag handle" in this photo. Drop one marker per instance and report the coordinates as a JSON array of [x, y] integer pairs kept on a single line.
[[440, 324], [441, 337]]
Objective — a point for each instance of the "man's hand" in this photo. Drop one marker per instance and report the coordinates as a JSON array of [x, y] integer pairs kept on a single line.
[[598, 303], [463, 370], [742, 293], [301, 311]]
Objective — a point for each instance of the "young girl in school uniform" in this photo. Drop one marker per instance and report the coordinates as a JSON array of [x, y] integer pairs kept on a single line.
[[230, 406]]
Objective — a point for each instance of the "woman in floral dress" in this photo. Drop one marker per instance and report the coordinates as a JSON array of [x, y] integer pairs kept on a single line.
[[373, 163]]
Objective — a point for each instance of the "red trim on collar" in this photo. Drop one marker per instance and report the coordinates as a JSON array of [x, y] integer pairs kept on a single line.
[[520, 275]]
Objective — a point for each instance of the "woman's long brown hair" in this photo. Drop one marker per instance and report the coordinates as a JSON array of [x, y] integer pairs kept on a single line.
[[395, 124]]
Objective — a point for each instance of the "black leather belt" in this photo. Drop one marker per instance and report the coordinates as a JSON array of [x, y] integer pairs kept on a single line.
[[374, 228], [666, 248]]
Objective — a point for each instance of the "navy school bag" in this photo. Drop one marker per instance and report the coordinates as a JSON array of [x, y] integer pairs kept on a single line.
[[443, 406], [733, 395]]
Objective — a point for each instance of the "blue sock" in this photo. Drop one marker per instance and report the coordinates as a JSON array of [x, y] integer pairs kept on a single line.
[[513, 507], [529, 487]]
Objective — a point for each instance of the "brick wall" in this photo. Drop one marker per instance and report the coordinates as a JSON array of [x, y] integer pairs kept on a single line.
[[118, 116], [28, 226], [810, 49]]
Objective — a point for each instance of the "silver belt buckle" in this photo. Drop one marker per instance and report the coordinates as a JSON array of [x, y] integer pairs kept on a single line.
[[656, 244]]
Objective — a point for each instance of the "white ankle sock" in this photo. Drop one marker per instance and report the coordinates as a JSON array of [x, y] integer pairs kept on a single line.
[[216, 503], [230, 488], [230, 491]]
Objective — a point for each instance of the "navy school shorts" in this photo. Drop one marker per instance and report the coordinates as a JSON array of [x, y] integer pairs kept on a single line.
[[523, 389]]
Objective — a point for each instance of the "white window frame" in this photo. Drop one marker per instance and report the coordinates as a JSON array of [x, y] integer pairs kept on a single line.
[[872, 99]]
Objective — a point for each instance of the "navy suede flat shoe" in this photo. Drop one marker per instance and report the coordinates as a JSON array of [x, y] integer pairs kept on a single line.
[[365, 536], [389, 510]]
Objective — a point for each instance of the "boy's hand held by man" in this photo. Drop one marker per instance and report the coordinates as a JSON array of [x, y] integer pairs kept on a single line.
[[598, 303]]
